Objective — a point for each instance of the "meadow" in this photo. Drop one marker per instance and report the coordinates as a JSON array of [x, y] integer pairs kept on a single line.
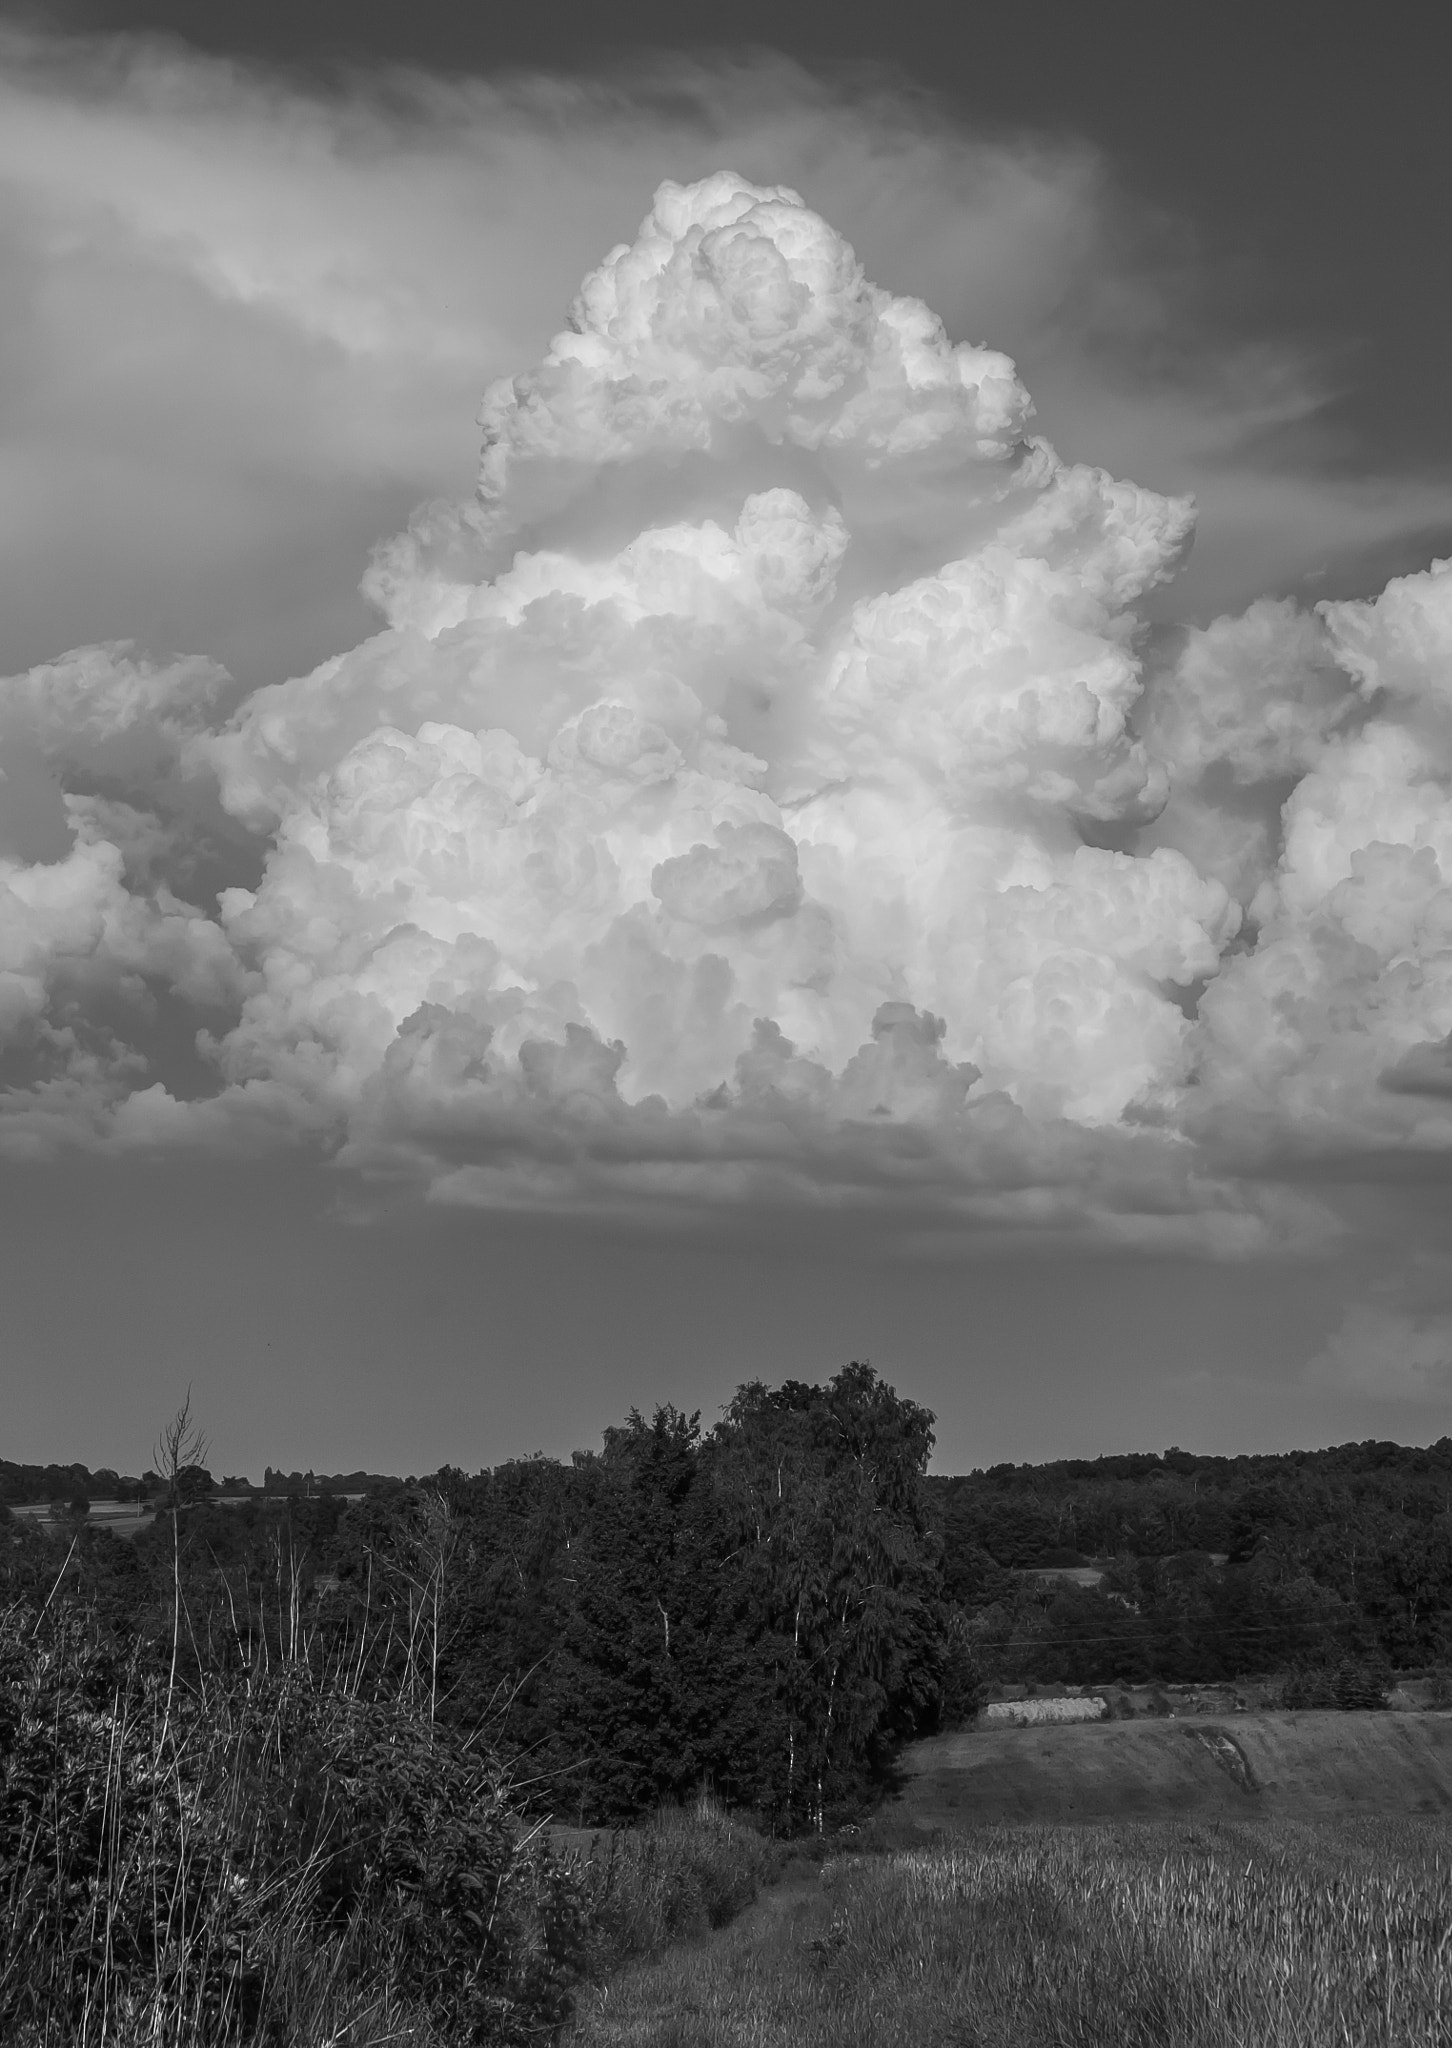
[[1260, 1934]]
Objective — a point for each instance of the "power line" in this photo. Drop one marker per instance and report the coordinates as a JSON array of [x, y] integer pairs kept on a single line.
[[1036, 1642]]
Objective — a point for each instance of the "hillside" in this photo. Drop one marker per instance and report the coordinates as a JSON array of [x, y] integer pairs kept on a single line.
[[1296, 1766]]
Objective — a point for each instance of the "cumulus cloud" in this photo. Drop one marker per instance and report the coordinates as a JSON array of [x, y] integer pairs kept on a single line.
[[95, 694], [1384, 1354], [765, 791], [597, 812], [303, 292], [1330, 1035]]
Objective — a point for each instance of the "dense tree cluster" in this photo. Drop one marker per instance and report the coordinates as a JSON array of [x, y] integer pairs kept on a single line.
[[768, 1606], [19, 1483], [1212, 1567], [757, 1608]]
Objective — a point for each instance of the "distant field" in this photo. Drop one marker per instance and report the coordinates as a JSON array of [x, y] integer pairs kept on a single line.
[[1297, 1766], [122, 1517]]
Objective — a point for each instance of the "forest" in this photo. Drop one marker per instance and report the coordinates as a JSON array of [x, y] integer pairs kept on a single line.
[[1210, 1568]]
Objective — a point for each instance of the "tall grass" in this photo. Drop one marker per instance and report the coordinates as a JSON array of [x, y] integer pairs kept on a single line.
[[278, 1857], [1148, 1936], [687, 1872], [263, 1860]]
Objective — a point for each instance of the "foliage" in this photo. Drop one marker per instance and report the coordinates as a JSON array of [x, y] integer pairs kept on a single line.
[[1212, 1567], [203, 1861], [1350, 1685], [687, 1871], [756, 1608], [769, 1606], [537, 1598]]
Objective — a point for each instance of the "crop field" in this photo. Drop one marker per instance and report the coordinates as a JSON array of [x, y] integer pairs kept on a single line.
[[1299, 1766], [1221, 1934]]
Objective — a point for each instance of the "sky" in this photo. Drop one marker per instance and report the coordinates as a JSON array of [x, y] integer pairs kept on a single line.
[[670, 714]]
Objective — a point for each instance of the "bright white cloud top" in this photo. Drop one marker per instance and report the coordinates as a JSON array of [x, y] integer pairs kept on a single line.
[[766, 792]]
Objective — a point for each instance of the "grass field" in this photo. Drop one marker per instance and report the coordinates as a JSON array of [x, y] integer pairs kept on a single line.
[[1261, 1880], [1224, 1934], [1232, 1767]]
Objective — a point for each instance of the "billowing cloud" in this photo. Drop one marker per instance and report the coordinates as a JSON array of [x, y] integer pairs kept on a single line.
[[91, 929], [302, 293], [1331, 1034], [633, 840], [766, 791]]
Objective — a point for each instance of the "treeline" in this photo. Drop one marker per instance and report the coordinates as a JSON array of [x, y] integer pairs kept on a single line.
[[74, 1485], [24, 1484], [770, 1606], [331, 1482], [757, 1607], [1212, 1567]]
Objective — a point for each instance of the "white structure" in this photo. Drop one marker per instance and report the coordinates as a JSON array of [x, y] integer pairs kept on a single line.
[[1041, 1713]]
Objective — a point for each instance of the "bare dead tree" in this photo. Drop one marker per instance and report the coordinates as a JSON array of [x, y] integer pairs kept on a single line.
[[180, 1446]]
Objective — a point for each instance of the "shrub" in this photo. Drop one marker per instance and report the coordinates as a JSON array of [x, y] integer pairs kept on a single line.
[[964, 1688], [207, 1867], [683, 1873], [1351, 1685]]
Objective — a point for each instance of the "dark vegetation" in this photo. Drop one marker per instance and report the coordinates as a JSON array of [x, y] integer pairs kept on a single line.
[[280, 1768], [288, 1765], [1334, 1567], [757, 1608]]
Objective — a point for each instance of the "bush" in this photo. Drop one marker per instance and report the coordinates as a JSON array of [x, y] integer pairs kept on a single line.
[[964, 1688], [683, 1873], [1352, 1684], [210, 1868]]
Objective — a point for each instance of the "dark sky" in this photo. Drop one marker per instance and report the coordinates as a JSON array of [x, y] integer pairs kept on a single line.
[[1312, 158], [313, 1338]]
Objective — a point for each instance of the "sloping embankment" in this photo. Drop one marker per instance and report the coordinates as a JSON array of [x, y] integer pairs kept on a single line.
[[1302, 1765]]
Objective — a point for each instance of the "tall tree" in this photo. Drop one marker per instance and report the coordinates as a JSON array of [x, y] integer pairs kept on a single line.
[[836, 1543]]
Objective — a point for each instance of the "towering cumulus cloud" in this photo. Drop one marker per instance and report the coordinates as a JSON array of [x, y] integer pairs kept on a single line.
[[758, 794]]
